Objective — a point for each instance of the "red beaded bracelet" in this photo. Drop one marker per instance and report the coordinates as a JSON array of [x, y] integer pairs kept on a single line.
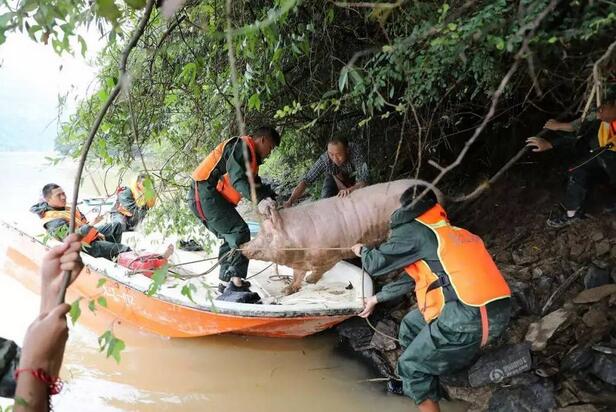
[[54, 384]]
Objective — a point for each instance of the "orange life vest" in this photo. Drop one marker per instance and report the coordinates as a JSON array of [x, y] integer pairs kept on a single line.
[[80, 220], [469, 267], [607, 135], [224, 186]]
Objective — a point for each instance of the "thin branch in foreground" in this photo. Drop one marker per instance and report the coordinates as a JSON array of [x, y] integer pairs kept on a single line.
[[88, 143], [236, 103], [495, 98]]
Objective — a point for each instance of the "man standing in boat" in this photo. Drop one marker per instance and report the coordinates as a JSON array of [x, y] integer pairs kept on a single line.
[[219, 183], [132, 204], [463, 300], [56, 216]]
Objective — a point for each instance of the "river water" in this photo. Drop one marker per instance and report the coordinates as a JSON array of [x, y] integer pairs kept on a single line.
[[215, 373]]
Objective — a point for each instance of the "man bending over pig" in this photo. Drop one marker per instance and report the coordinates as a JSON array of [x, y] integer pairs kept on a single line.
[[219, 182], [344, 167], [463, 301]]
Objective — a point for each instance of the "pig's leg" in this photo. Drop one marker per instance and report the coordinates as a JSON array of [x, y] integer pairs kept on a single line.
[[298, 278], [316, 275]]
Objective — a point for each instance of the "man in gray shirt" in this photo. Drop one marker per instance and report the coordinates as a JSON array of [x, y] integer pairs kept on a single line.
[[344, 167]]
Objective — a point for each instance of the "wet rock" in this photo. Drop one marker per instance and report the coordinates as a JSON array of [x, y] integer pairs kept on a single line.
[[596, 277], [578, 408], [355, 339], [477, 398], [497, 365], [537, 397], [540, 332], [577, 359], [595, 294], [613, 253], [596, 318], [596, 235], [382, 341], [613, 272], [565, 397], [356, 333], [523, 298], [524, 256], [603, 247], [604, 368], [577, 249]]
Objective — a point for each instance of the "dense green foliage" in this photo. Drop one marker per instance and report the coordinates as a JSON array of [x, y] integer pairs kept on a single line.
[[418, 75]]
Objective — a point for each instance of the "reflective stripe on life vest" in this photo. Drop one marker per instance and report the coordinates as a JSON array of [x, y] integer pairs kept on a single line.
[[607, 135], [65, 215], [224, 186], [472, 273], [80, 220]]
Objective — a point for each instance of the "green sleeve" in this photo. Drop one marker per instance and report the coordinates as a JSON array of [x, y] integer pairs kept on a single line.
[[236, 167], [563, 138], [396, 289], [402, 248]]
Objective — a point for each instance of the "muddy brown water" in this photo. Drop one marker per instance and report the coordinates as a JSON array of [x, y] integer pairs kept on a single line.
[[214, 373]]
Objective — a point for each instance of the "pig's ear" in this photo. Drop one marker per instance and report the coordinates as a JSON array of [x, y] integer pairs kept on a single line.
[[276, 219]]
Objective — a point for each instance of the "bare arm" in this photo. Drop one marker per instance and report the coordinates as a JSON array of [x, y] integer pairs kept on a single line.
[[297, 193]]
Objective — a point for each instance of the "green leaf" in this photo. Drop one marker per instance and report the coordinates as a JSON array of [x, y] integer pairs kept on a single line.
[[113, 346], [342, 80], [553, 39], [108, 10], [75, 311], [158, 278], [148, 189], [254, 102], [102, 301], [187, 290], [82, 43], [101, 282], [136, 4], [92, 306], [116, 346]]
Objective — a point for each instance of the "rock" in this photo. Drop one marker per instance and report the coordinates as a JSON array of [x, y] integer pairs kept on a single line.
[[522, 257], [564, 397], [613, 272], [576, 250], [577, 359], [597, 235], [357, 334], [381, 342], [604, 368], [478, 398], [613, 254], [497, 365], [537, 273], [596, 277], [578, 408], [537, 397], [539, 332], [595, 294], [603, 247], [596, 318]]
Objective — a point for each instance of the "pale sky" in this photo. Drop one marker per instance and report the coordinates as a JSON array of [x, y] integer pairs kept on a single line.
[[32, 76]]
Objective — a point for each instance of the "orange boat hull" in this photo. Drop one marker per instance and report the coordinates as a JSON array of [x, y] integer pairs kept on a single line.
[[154, 315]]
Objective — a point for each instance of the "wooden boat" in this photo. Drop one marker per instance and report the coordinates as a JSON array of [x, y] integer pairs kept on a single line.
[[170, 312]]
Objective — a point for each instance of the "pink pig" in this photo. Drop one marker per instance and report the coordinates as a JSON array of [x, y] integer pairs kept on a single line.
[[299, 237]]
